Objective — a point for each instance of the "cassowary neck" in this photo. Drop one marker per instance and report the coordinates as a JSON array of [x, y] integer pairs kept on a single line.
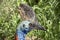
[[21, 35]]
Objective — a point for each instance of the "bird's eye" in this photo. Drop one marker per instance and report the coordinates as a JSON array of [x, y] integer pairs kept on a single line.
[[23, 25], [30, 24]]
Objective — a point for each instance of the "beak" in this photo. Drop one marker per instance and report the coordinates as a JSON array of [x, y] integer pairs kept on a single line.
[[37, 26]]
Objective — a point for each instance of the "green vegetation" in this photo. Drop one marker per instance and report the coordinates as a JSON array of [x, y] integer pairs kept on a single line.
[[47, 12]]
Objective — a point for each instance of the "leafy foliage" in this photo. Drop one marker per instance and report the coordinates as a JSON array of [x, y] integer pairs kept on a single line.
[[47, 12]]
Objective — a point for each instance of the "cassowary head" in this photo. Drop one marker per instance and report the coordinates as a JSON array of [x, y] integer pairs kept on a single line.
[[27, 13], [27, 26]]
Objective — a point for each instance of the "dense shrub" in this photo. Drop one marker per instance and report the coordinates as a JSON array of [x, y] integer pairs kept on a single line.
[[47, 12]]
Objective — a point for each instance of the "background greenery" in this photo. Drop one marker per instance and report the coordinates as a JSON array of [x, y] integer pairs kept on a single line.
[[47, 12]]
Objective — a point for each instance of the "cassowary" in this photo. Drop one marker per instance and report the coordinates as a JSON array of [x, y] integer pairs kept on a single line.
[[29, 22], [24, 27]]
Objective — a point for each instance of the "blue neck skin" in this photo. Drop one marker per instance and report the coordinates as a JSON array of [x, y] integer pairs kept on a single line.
[[22, 31], [21, 34]]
